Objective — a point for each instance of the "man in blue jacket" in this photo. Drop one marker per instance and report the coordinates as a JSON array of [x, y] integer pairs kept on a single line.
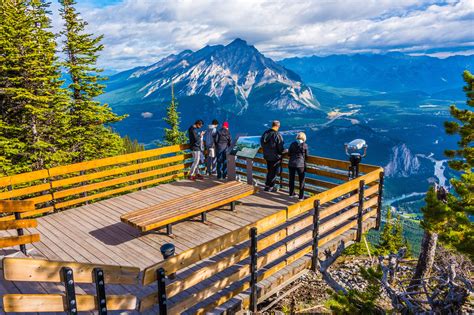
[[273, 149]]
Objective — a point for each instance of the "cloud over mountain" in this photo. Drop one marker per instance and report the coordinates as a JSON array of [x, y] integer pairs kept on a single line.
[[139, 32]]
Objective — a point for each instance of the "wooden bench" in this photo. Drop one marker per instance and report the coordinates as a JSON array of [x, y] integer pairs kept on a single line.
[[172, 211]]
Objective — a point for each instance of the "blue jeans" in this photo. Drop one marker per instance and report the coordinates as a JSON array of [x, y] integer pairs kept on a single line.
[[222, 164]]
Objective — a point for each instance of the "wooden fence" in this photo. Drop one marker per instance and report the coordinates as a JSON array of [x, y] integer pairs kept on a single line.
[[261, 249], [66, 186], [68, 273], [240, 259]]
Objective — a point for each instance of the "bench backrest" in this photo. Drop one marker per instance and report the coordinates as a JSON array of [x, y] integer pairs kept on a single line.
[[69, 273], [16, 207]]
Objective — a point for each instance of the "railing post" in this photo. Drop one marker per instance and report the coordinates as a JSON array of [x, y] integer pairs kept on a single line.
[[160, 276], [51, 190], [71, 302], [249, 170], [360, 210], [20, 233], [315, 257], [379, 202], [101, 298], [253, 270]]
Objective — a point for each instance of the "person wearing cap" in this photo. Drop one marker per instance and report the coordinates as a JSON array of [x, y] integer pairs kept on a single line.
[[298, 153], [273, 149], [210, 145], [223, 144], [195, 144]]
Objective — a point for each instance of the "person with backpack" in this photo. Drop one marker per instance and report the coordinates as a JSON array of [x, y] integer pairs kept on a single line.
[[195, 144], [210, 145], [298, 153], [223, 144], [273, 149]]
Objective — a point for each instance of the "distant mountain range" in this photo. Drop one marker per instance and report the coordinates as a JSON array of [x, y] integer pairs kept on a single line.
[[392, 72], [235, 78]]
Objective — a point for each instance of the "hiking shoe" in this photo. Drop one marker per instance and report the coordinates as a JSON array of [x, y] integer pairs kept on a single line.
[[267, 188], [274, 189]]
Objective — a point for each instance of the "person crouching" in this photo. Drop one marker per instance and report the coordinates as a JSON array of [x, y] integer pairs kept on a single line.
[[298, 153]]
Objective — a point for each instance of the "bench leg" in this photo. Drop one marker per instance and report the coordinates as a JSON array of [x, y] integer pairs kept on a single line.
[[203, 217], [232, 206], [169, 229]]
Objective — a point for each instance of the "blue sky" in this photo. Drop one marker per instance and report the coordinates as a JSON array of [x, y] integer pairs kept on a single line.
[[140, 32]]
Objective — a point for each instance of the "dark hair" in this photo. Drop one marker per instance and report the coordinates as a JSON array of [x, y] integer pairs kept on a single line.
[[199, 122], [215, 122]]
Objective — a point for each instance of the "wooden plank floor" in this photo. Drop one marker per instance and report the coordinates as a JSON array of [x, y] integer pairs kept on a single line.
[[94, 233]]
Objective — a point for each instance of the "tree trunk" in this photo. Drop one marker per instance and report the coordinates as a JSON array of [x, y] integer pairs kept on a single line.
[[426, 258]]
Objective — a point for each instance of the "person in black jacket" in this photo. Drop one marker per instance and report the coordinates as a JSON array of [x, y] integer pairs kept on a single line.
[[273, 149], [195, 143], [298, 153], [223, 143]]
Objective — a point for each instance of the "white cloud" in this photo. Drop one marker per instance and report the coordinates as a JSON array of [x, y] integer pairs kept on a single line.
[[147, 115], [139, 32]]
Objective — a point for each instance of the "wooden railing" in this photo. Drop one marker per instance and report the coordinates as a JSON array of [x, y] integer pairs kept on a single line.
[[337, 208], [65, 186], [342, 212], [17, 207]]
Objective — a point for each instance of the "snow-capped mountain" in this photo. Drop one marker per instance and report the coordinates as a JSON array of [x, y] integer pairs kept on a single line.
[[235, 78]]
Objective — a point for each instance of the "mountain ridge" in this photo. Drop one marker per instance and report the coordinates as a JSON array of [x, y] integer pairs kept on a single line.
[[233, 76], [383, 72]]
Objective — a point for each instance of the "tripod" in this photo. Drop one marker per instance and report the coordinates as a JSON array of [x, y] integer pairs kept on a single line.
[[355, 159]]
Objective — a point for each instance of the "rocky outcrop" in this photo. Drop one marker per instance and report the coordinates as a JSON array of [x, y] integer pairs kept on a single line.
[[402, 162]]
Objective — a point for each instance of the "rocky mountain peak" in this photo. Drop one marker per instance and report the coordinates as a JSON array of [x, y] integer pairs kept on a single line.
[[236, 77], [402, 162]]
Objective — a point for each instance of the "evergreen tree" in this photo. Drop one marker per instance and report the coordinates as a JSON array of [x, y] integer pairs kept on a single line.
[[459, 233], [33, 117], [391, 238], [90, 134], [132, 146], [356, 301], [173, 135], [385, 243]]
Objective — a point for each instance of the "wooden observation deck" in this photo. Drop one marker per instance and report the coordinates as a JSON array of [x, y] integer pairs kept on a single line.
[[215, 269]]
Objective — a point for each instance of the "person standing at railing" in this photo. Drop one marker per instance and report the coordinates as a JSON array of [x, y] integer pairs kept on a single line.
[[210, 142], [223, 144], [298, 154], [273, 149], [195, 144]]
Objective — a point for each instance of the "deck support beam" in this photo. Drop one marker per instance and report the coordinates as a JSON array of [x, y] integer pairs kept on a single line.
[[71, 302], [101, 298], [360, 211], [379, 202], [315, 257], [253, 270], [162, 300]]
